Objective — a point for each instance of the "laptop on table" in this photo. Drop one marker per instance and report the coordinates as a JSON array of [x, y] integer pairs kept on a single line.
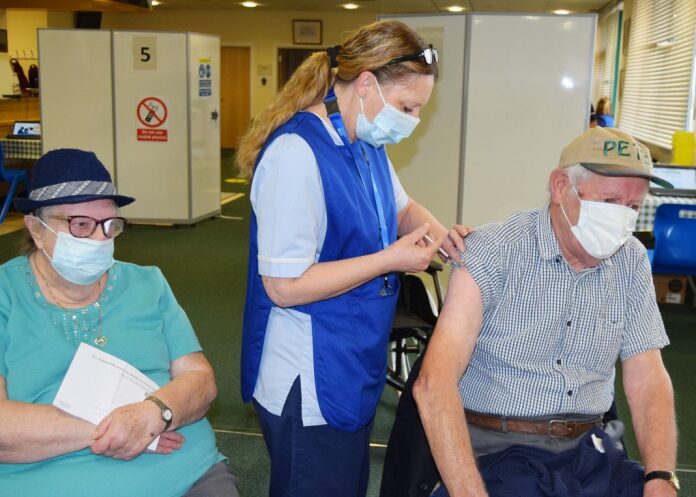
[[682, 177], [26, 130]]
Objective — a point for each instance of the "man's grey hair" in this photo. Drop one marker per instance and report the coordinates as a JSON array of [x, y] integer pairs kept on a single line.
[[577, 173]]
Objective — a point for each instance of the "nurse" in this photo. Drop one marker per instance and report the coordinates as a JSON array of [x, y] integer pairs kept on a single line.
[[331, 226]]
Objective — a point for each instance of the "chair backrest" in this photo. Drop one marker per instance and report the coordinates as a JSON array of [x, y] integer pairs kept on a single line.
[[675, 239]]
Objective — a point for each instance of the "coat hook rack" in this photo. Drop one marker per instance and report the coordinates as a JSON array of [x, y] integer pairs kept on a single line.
[[24, 56]]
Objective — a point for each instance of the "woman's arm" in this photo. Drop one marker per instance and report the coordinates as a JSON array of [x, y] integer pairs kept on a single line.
[[414, 214], [327, 279], [34, 432], [128, 430]]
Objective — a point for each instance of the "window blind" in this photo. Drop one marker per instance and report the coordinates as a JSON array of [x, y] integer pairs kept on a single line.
[[605, 53], [659, 68]]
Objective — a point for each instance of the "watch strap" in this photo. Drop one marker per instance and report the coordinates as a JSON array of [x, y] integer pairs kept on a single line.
[[668, 476], [163, 407]]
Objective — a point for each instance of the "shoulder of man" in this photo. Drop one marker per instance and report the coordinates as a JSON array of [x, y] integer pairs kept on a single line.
[[518, 228]]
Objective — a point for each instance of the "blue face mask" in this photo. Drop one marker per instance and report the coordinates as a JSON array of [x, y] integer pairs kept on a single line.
[[390, 125], [80, 260]]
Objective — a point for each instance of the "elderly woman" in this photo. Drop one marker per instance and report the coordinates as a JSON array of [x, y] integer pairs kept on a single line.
[[67, 290]]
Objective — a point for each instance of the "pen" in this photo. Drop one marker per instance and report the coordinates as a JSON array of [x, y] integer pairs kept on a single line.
[[442, 252]]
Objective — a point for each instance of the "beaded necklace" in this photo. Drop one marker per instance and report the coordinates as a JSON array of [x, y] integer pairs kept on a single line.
[[100, 339]]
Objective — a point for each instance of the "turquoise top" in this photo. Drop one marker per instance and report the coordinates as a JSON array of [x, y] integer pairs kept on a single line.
[[143, 325]]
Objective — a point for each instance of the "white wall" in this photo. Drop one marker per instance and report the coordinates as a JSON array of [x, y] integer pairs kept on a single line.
[[527, 93]]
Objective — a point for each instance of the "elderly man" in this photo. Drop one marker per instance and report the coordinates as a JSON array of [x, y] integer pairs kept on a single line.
[[521, 365]]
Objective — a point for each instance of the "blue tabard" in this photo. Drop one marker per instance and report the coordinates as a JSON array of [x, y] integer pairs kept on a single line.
[[350, 332]]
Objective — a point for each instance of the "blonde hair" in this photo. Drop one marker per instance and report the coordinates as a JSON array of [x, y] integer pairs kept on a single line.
[[371, 48], [604, 106]]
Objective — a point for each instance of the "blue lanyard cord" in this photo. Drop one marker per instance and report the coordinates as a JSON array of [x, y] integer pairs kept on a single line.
[[334, 114], [378, 202]]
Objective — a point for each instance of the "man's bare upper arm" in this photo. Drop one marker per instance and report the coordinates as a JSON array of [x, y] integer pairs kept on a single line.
[[458, 327]]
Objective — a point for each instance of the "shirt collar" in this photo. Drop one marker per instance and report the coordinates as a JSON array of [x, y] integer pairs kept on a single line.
[[548, 244]]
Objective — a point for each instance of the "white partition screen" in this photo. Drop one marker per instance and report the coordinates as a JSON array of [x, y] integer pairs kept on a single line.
[[527, 95], [76, 107], [513, 90]]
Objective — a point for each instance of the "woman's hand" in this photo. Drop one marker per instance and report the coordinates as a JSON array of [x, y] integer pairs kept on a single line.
[[169, 441], [128, 430], [410, 254], [454, 243]]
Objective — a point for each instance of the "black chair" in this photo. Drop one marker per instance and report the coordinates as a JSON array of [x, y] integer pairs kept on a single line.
[[414, 322]]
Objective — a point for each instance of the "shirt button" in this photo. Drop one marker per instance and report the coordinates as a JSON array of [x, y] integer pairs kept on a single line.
[[569, 323], [570, 392], [558, 361]]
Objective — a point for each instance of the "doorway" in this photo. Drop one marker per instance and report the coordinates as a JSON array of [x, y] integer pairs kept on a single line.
[[235, 107]]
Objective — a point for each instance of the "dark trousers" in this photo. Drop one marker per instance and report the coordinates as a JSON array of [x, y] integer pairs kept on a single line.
[[313, 461]]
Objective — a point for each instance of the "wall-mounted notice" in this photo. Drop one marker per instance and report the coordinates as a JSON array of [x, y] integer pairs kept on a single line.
[[145, 53], [152, 113], [205, 78]]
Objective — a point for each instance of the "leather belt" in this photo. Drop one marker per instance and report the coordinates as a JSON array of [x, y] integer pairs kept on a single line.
[[554, 428]]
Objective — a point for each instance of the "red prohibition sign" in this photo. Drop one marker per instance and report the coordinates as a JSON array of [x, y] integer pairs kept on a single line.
[[152, 112]]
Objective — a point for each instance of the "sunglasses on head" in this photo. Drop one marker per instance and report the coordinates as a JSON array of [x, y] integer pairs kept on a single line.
[[429, 55]]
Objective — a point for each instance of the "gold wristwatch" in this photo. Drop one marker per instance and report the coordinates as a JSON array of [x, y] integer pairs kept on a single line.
[[166, 412], [669, 476]]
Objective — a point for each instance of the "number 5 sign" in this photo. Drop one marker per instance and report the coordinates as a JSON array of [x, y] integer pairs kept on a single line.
[[145, 52]]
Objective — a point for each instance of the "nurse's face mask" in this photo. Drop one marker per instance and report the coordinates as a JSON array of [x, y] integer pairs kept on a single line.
[[390, 125]]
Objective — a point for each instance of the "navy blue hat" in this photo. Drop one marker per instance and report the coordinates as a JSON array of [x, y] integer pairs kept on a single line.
[[69, 176]]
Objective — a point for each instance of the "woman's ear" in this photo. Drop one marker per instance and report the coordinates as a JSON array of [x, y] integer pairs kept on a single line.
[[36, 229], [364, 82]]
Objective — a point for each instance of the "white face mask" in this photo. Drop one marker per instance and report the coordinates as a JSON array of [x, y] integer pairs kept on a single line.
[[602, 228], [80, 260], [390, 125]]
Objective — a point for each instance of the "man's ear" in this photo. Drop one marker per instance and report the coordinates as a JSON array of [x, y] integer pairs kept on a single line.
[[558, 184]]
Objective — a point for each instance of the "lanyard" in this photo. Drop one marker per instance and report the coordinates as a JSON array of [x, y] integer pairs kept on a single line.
[[335, 117]]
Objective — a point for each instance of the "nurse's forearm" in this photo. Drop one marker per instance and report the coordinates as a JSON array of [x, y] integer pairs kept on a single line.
[[325, 280]]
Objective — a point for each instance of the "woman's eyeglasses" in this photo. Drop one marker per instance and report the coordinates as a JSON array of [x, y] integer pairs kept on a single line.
[[429, 55], [85, 226]]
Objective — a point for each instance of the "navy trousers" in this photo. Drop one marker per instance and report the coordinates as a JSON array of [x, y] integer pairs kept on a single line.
[[313, 461], [580, 472]]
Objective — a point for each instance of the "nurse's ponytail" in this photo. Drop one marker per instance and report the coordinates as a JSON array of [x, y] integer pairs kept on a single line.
[[307, 85]]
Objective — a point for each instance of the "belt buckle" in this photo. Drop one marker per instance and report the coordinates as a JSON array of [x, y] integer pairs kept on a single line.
[[570, 428]]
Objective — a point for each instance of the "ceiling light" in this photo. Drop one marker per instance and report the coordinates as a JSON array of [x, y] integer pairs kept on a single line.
[[350, 6], [455, 8], [561, 12], [155, 3], [250, 5]]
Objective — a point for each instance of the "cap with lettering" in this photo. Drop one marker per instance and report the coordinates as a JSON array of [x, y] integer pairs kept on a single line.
[[611, 152]]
